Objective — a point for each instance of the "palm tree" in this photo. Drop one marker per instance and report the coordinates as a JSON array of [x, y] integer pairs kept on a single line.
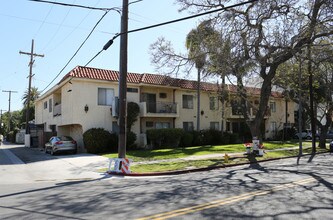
[[29, 108], [199, 42], [34, 95]]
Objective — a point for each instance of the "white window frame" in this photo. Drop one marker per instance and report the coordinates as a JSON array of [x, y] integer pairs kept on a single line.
[[272, 106], [213, 103], [160, 125], [105, 96], [188, 125], [214, 125], [187, 101]]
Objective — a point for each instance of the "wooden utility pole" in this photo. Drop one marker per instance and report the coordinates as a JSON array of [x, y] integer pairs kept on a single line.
[[9, 100], [122, 81], [32, 55]]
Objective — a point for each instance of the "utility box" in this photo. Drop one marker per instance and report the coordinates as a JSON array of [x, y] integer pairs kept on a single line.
[[27, 140]]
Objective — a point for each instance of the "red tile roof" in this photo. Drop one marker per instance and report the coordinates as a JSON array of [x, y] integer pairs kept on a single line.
[[152, 79]]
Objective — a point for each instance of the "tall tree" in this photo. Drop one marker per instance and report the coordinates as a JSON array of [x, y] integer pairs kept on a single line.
[[199, 43], [267, 34], [34, 95]]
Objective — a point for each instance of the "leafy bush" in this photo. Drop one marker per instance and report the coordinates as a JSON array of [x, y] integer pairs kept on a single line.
[[187, 139], [225, 138], [133, 111], [216, 137], [197, 138], [130, 141], [11, 136], [166, 137], [97, 140], [233, 138]]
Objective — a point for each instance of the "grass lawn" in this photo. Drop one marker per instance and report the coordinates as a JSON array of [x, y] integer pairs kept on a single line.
[[162, 154], [183, 165]]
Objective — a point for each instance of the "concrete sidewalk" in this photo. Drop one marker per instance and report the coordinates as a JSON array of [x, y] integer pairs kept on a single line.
[[33, 165]]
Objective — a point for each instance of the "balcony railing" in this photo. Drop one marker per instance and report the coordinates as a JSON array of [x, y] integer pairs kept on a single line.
[[159, 109], [236, 112]]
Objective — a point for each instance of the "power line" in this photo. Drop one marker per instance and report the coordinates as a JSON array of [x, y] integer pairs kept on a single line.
[[169, 22], [77, 50], [79, 6], [76, 27], [110, 42]]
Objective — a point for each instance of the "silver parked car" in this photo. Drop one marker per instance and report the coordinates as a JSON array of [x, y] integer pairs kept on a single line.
[[61, 144], [306, 134]]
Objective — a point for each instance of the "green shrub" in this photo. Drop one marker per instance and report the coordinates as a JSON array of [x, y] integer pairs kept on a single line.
[[233, 138], [130, 141], [187, 139], [10, 137], [206, 137], [225, 138], [133, 111], [166, 137], [97, 140], [197, 138], [216, 137]]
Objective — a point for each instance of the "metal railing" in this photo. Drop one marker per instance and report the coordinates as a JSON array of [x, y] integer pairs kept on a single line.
[[161, 107]]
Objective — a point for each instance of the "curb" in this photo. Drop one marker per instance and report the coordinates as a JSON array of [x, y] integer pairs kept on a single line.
[[178, 172]]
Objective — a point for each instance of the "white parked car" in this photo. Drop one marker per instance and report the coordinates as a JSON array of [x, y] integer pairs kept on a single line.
[[61, 144]]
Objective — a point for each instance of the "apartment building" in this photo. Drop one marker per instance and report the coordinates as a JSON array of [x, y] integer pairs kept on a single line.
[[87, 98]]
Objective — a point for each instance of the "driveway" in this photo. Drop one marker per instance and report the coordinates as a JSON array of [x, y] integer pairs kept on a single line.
[[20, 164]]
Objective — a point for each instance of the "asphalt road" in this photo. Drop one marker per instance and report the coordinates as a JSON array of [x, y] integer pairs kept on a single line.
[[281, 189]]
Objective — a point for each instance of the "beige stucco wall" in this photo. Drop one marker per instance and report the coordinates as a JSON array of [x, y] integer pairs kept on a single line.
[[190, 115], [279, 116], [81, 92], [73, 119]]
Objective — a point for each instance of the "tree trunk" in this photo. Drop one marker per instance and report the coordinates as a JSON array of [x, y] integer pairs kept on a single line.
[[265, 94]]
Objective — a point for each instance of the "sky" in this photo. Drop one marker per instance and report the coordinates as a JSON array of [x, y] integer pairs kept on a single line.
[[58, 31]]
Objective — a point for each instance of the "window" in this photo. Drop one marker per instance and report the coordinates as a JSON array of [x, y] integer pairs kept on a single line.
[[163, 95], [134, 90], [149, 124], [215, 125], [273, 127], [162, 125], [188, 126], [50, 105], [188, 101], [272, 106], [105, 96], [45, 105], [213, 103]]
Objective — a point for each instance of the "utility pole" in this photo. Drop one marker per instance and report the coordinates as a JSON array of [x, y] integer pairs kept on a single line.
[[122, 81], [9, 100], [32, 55]]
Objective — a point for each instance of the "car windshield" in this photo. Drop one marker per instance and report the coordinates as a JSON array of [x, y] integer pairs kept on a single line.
[[65, 138]]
